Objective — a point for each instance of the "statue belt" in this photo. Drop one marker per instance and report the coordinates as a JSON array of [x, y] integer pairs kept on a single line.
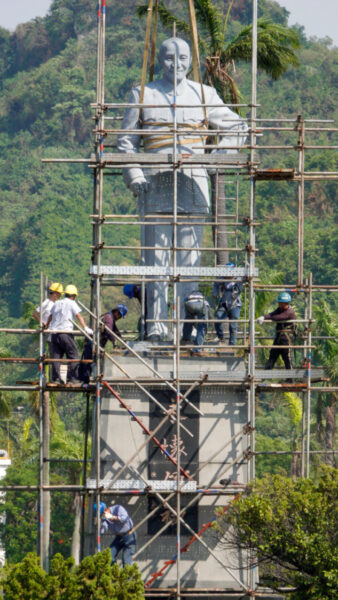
[[152, 142]]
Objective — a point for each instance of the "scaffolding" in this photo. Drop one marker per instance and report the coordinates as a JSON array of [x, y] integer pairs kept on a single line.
[[165, 366]]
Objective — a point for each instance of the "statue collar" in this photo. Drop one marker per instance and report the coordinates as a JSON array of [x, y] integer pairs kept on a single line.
[[167, 87]]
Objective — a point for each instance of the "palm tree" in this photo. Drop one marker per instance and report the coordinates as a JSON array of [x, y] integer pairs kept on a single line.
[[275, 53], [294, 405], [69, 444]]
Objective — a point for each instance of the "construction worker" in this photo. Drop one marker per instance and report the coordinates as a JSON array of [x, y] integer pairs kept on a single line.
[[155, 186], [116, 520], [133, 291], [228, 306], [197, 308], [109, 319], [285, 331], [61, 319], [54, 293]]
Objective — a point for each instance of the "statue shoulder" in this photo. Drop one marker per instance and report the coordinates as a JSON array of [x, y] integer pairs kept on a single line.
[[150, 88]]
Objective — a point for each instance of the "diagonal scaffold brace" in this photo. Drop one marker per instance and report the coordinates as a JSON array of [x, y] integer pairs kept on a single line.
[[185, 548]]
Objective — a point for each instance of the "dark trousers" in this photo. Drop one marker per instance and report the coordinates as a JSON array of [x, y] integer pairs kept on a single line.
[[64, 344], [285, 353], [201, 329], [126, 543], [223, 312]]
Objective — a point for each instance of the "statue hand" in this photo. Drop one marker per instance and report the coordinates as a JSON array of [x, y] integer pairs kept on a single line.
[[139, 186]]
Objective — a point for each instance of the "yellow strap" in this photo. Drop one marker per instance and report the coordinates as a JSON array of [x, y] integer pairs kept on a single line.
[[200, 125], [194, 40], [168, 142]]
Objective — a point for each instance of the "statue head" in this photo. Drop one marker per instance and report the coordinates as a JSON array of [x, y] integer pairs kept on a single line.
[[171, 50]]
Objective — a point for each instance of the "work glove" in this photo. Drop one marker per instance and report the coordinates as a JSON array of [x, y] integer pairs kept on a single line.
[[88, 330], [108, 516], [260, 320]]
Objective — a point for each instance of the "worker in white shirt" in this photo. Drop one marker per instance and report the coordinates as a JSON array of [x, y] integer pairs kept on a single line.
[[61, 320], [54, 294]]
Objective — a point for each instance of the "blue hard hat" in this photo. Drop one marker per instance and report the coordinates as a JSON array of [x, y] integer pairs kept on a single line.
[[128, 290], [102, 507], [284, 297], [122, 310], [230, 265]]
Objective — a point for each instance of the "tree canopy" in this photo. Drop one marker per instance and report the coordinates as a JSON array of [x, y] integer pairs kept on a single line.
[[291, 529]]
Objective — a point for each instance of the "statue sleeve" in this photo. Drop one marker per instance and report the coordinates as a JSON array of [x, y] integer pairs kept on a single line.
[[129, 143], [224, 119]]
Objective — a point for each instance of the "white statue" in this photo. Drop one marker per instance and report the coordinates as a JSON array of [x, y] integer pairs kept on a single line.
[[154, 186]]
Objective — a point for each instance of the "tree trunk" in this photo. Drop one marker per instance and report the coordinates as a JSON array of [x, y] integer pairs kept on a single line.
[[75, 551], [46, 494], [330, 426], [218, 205]]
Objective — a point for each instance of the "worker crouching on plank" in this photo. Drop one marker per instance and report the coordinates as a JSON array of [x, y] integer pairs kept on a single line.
[[109, 319], [196, 307], [285, 331], [60, 320], [116, 520]]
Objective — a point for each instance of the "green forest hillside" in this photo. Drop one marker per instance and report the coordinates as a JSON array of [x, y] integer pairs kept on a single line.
[[47, 83]]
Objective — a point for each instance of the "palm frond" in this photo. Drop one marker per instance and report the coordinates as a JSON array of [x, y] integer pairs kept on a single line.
[[5, 405], [264, 299], [327, 349], [295, 406], [26, 429], [275, 48], [225, 23], [210, 18]]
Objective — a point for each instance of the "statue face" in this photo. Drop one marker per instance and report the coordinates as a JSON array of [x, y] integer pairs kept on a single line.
[[175, 50]]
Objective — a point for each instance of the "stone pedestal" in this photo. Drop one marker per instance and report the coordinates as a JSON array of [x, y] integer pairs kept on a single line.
[[202, 453]]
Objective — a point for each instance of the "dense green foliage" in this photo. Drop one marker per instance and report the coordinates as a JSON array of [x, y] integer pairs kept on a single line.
[[292, 529], [48, 81], [93, 579]]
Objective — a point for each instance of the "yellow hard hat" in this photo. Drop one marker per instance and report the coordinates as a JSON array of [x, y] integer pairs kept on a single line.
[[56, 287], [71, 290]]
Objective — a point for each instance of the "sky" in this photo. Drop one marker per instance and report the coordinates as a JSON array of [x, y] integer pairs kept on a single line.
[[317, 22]]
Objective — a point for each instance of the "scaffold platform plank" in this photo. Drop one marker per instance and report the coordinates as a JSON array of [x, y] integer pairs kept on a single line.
[[267, 374], [120, 159], [134, 270], [274, 174]]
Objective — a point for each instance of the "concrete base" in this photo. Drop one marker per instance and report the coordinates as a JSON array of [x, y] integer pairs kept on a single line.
[[203, 452]]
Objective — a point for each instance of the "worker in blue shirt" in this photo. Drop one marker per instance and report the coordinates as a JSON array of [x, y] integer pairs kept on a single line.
[[134, 291], [116, 520], [228, 306]]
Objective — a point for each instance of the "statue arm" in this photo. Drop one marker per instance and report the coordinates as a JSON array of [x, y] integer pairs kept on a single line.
[[222, 118], [130, 144]]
